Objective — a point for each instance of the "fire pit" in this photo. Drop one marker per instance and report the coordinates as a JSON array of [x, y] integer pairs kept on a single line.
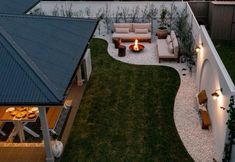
[[136, 47]]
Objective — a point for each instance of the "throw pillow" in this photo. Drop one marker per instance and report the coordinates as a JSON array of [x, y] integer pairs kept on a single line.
[[122, 30], [168, 39], [173, 36], [202, 98], [123, 25], [142, 26], [170, 48], [141, 31], [176, 46]]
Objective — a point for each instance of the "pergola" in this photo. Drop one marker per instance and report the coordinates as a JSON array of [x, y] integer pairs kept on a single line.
[[39, 58]]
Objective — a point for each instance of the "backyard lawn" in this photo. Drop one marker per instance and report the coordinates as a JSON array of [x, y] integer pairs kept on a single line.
[[126, 114], [226, 50]]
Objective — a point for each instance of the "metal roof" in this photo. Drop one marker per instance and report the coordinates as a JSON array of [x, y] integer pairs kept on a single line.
[[16, 6], [39, 56]]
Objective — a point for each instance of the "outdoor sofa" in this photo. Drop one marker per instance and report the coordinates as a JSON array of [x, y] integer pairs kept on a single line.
[[132, 31], [168, 49]]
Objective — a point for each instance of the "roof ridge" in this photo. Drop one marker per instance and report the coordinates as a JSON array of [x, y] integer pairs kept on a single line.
[[50, 86], [48, 17]]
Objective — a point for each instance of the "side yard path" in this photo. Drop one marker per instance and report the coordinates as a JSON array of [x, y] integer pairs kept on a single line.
[[126, 113]]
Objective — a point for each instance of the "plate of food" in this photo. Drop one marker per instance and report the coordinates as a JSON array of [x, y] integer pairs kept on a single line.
[[10, 109], [21, 114], [31, 115], [20, 108], [13, 113], [34, 109]]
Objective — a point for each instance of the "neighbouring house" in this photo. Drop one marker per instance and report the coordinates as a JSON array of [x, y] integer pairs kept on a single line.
[[44, 62], [212, 14]]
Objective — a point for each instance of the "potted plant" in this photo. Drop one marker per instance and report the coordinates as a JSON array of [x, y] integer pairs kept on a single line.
[[162, 30]]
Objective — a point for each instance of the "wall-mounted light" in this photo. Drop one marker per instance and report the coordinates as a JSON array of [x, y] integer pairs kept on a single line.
[[215, 94], [198, 48], [223, 108]]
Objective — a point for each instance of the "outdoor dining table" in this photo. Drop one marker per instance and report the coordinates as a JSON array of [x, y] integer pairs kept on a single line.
[[19, 124]]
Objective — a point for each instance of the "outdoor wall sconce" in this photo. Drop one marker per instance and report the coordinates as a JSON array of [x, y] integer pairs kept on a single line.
[[198, 48], [223, 108], [215, 94]]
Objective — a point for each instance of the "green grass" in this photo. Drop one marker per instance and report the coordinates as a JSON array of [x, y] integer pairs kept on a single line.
[[226, 50], [126, 114]]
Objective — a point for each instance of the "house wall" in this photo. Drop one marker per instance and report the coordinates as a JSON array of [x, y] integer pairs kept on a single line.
[[212, 75]]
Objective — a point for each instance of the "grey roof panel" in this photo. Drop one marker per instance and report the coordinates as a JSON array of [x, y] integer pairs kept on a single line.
[[54, 47], [16, 79], [16, 6]]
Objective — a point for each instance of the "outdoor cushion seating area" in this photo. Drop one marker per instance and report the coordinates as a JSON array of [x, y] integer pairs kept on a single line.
[[168, 49], [132, 31], [201, 98]]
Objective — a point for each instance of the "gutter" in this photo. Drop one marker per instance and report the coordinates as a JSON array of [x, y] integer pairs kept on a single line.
[[33, 5]]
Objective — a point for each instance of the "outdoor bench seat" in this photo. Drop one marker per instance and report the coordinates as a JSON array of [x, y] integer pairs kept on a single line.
[[132, 31], [201, 98], [168, 49]]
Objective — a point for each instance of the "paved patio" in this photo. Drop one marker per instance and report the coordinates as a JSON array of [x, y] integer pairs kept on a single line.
[[199, 143]]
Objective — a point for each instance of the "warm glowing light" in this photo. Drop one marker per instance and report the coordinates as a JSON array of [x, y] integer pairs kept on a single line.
[[136, 47], [215, 94], [198, 49]]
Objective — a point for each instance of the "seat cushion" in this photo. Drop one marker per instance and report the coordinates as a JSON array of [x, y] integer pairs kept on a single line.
[[202, 97], [123, 25], [170, 48], [163, 51], [131, 36], [168, 39], [142, 26], [175, 46], [141, 31], [122, 30], [173, 36]]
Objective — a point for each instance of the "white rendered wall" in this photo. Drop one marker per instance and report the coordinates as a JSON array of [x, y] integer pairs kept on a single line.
[[212, 75], [194, 24], [96, 6]]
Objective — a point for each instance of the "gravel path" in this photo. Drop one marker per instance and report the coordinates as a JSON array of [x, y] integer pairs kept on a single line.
[[199, 143]]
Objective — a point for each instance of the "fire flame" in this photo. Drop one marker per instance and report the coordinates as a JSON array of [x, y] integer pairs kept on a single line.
[[136, 47]]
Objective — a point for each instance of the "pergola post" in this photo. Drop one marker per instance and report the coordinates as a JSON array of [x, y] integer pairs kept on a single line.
[[46, 135]]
